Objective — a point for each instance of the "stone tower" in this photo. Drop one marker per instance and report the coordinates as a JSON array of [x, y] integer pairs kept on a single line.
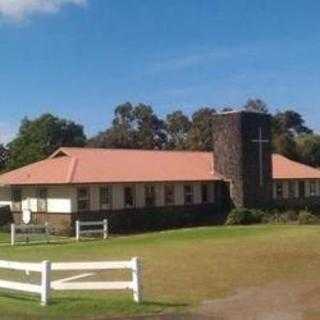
[[243, 156]]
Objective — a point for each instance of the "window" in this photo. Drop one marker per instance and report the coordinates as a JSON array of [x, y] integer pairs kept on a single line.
[[16, 199], [302, 189], [313, 189], [150, 195], [204, 193], [129, 198], [105, 198], [83, 199], [188, 194], [279, 190], [42, 197], [292, 189], [169, 194]]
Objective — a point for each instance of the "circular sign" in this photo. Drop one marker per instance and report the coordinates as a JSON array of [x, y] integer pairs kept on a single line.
[[26, 216]]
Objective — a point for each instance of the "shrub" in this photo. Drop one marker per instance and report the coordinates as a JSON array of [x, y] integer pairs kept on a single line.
[[290, 216], [243, 216], [305, 217]]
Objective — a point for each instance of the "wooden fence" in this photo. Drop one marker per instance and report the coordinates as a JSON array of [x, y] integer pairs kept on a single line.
[[88, 230], [28, 231], [46, 268]]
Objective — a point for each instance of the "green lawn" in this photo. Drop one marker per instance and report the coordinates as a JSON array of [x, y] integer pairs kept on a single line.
[[181, 268]]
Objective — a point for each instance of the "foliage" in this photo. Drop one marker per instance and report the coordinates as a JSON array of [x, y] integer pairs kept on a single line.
[[256, 105], [243, 216], [178, 127], [39, 138], [306, 217], [308, 146], [133, 127], [200, 135]]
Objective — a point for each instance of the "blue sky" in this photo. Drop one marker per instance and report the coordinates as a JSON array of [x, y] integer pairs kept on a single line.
[[80, 58]]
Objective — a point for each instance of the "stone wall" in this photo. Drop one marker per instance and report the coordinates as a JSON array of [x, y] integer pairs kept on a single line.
[[236, 156]]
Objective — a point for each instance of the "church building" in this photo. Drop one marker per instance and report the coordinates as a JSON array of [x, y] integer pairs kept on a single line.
[[92, 184]]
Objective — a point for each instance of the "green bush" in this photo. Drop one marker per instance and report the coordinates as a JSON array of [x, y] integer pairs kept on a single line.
[[306, 217], [243, 216], [290, 216]]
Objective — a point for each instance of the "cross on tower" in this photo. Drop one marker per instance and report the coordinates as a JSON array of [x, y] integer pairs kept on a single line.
[[260, 141]]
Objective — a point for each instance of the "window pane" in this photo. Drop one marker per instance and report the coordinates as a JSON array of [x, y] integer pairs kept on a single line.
[[204, 193], [292, 189], [129, 197], [83, 199], [169, 194], [188, 194], [302, 190], [16, 199], [42, 200], [312, 188], [279, 190], [150, 195], [105, 197]]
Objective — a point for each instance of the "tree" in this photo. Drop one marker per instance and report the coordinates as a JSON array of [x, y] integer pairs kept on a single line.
[[290, 122], [149, 130], [256, 105], [178, 126], [308, 146], [201, 133], [39, 138], [133, 127]]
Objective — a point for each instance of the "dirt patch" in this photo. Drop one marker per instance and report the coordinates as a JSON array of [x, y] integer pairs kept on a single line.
[[277, 301]]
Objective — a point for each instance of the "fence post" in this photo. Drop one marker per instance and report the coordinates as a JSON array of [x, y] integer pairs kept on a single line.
[[45, 282], [46, 225], [13, 234], [105, 229], [77, 230], [137, 280]]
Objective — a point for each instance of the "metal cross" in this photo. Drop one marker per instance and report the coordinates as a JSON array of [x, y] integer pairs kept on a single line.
[[261, 141]]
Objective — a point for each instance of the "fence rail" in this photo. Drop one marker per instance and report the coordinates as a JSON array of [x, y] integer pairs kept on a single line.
[[28, 231], [46, 285], [104, 228], [43, 289]]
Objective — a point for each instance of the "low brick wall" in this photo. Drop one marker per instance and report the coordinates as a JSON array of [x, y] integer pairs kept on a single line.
[[311, 203], [153, 219]]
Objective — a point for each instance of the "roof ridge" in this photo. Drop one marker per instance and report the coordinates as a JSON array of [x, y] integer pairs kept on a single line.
[[133, 150]]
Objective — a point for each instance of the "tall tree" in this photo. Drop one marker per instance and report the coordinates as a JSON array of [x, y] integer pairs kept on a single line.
[[257, 105], [308, 146], [201, 133], [178, 126], [149, 130], [290, 122], [39, 138]]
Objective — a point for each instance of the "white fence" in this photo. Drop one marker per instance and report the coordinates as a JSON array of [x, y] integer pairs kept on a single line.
[[66, 284], [87, 224], [28, 231], [43, 289]]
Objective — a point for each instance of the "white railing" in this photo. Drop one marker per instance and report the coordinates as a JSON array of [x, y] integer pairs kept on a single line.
[[102, 230], [27, 231], [43, 289], [66, 284]]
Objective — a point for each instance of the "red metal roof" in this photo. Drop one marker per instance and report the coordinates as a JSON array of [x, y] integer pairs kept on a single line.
[[78, 165]]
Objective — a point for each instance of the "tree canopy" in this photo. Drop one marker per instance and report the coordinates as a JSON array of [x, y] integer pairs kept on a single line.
[[39, 138], [139, 127]]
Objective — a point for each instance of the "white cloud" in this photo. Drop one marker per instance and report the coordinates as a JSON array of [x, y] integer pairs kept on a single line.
[[18, 10]]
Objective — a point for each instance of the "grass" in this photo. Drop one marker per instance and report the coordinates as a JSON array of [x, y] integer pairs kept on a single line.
[[181, 268]]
